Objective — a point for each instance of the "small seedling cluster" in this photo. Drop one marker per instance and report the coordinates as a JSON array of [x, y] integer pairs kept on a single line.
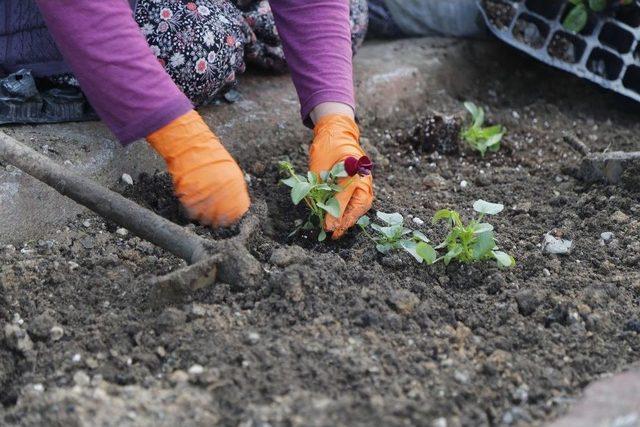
[[578, 16], [479, 137], [394, 235], [465, 243], [318, 192]]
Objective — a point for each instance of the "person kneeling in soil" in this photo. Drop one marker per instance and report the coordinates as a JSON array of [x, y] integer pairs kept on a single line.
[[125, 54]]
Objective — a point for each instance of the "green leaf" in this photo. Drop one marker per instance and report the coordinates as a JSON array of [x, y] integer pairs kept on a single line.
[[411, 247], [390, 232], [383, 247], [332, 206], [312, 178], [338, 171], [504, 259], [420, 236], [289, 182], [390, 218], [453, 252], [364, 221], [300, 191], [324, 176], [597, 5], [427, 253], [445, 214], [483, 244], [487, 208], [577, 18], [324, 187], [477, 113], [482, 227], [322, 236]]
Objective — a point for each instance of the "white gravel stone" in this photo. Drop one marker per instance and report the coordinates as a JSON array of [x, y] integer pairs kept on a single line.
[[126, 178], [554, 245], [418, 221], [81, 378], [56, 333], [196, 370]]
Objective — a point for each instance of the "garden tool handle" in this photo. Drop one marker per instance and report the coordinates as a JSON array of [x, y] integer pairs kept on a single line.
[[106, 203]]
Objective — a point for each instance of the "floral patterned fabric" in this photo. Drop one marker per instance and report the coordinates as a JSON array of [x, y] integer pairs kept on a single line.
[[265, 49], [199, 43], [203, 44]]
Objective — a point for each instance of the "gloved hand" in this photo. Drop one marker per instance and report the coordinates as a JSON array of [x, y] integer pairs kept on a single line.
[[206, 179], [336, 138]]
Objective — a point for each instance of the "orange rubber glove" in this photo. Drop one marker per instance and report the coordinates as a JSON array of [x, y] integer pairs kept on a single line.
[[336, 137], [206, 179]]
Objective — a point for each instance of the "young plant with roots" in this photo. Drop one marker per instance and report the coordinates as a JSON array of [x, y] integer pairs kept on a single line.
[[465, 243], [318, 191], [479, 137]]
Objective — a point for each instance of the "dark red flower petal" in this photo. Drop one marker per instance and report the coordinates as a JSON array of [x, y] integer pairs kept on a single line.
[[351, 166], [365, 165], [365, 162]]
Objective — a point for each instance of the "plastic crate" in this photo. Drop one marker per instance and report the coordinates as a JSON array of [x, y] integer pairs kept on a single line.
[[606, 51]]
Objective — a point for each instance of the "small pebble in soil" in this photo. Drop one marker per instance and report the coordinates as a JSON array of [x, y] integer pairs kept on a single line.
[[81, 379], [439, 422], [546, 272], [178, 377], [122, 232], [555, 245], [76, 358], [253, 337], [606, 237], [86, 223], [161, 352], [56, 333], [196, 370], [126, 179], [73, 265], [38, 387], [463, 184], [418, 221], [87, 242], [17, 338], [527, 302]]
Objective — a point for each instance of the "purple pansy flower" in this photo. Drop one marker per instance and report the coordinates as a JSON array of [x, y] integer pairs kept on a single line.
[[361, 166]]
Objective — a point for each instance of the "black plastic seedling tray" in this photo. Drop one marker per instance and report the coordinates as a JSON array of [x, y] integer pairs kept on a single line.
[[606, 51]]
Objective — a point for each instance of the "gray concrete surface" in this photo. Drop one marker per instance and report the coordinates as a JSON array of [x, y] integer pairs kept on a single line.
[[392, 80], [611, 402]]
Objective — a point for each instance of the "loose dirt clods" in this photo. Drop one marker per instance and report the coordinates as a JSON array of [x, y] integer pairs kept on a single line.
[[339, 334]]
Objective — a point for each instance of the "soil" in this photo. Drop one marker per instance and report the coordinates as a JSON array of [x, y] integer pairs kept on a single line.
[[338, 334], [528, 33], [562, 47], [500, 13]]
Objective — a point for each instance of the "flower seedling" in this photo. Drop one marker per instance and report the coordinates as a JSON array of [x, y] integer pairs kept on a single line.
[[394, 235], [318, 191], [578, 16], [478, 136], [474, 241]]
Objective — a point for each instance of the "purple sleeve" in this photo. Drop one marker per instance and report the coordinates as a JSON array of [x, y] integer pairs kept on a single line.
[[117, 70], [317, 45]]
